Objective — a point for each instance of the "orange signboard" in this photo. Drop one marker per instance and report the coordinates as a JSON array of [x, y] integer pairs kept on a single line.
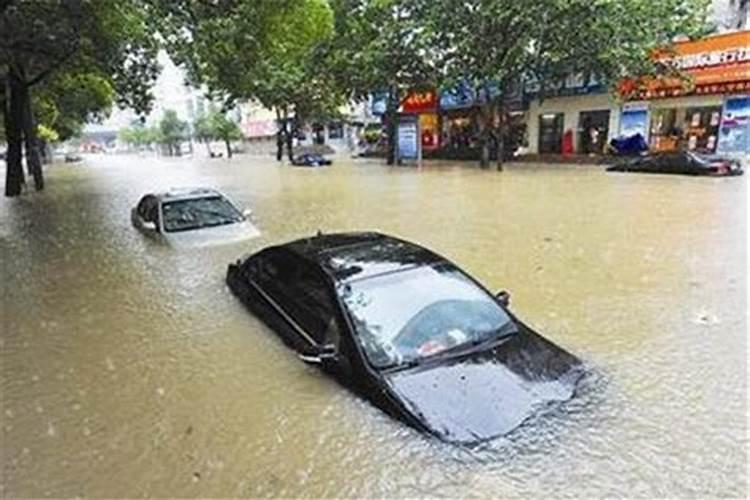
[[718, 64]]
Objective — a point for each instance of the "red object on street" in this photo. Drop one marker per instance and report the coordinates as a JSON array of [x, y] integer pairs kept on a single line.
[[567, 143]]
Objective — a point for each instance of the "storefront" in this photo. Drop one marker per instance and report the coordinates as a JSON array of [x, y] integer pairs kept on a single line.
[[589, 120], [460, 121], [424, 105], [689, 113]]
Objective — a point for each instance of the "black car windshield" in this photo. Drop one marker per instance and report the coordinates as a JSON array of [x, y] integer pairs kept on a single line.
[[184, 215], [410, 315]]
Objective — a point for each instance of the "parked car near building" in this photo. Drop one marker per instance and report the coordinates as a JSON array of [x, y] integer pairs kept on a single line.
[[408, 330], [310, 160], [680, 162], [192, 217]]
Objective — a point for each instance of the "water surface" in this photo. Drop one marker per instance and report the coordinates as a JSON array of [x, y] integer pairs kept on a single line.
[[128, 368]]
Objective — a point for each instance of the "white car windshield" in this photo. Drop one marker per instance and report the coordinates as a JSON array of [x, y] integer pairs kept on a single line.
[[196, 213], [409, 315]]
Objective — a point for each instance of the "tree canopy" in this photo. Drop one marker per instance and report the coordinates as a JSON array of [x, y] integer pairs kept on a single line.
[[67, 60]]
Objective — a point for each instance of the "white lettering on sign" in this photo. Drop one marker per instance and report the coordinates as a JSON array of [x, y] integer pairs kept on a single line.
[[716, 58]]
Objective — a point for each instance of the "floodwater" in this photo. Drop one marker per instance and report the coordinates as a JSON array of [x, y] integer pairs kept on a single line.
[[129, 369]]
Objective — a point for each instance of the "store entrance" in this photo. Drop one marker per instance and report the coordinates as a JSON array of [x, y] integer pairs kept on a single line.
[[550, 133], [593, 129]]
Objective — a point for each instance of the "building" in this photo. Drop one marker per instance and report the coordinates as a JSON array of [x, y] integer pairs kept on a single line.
[[730, 15], [708, 112]]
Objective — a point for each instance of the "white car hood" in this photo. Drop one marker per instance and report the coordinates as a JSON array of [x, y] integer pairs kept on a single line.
[[216, 235]]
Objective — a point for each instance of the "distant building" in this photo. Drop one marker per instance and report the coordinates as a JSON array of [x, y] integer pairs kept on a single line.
[[729, 15]]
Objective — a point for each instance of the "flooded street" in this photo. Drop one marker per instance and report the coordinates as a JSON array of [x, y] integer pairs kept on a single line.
[[129, 369]]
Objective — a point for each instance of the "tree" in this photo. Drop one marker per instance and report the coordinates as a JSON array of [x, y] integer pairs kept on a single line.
[[262, 50], [501, 43], [216, 126], [203, 131], [383, 45], [172, 132], [41, 40], [225, 130]]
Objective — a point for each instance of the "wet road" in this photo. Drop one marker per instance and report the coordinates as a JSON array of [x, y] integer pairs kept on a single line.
[[128, 369]]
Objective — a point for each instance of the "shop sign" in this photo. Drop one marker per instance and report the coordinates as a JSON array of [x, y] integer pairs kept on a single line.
[[718, 64], [418, 102], [460, 97], [734, 131], [464, 96], [574, 84], [378, 103]]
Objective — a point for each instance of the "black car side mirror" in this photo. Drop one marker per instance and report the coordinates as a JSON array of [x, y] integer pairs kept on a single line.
[[503, 296], [324, 354]]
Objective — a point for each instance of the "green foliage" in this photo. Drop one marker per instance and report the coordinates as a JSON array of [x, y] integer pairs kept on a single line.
[[382, 45], [171, 131], [263, 50], [505, 40], [113, 42], [47, 134], [224, 129], [138, 136], [69, 100]]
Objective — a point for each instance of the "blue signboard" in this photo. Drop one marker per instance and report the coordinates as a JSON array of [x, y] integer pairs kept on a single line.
[[464, 96], [575, 84], [734, 131], [460, 97], [378, 103]]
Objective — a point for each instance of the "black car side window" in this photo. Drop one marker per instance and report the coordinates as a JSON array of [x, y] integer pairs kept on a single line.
[[301, 291], [317, 309]]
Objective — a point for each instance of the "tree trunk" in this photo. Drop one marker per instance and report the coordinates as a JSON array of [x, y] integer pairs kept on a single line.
[[500, 133], [391, 118], [208, 149], [229, 149], [281, 126], [33, 161], [484, 135], [12, 119], [289, 142]]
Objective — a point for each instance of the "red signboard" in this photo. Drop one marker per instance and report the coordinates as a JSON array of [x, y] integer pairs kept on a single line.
[[420, 102]]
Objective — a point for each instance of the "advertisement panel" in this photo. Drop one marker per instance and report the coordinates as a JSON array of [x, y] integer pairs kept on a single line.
[[408, 138], [734, 131], [634, 120]]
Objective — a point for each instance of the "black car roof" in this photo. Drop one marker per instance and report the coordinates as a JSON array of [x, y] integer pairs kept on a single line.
[[350, 256]]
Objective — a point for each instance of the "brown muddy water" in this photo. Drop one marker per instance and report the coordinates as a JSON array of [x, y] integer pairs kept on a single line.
[[129, 369]]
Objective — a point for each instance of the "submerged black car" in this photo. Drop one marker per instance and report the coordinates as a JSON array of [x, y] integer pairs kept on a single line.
[[680, 162], [408, 330], [310, 160]]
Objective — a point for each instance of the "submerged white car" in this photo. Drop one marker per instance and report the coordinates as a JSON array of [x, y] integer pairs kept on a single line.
[[193, 217]]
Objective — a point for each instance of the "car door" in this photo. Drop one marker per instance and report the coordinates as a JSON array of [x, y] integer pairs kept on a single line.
[[147, 214], [313, 304]]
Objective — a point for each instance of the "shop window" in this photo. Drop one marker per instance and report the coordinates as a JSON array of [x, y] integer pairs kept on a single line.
[[335, 130], [550, 133], [692, 129]]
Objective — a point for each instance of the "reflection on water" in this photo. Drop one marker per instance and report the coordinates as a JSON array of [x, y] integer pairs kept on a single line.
[[129, 369]]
